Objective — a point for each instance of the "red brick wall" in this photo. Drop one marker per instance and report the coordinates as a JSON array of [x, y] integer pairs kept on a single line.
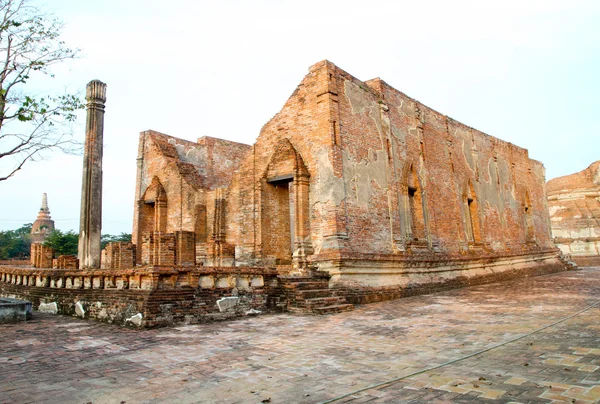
[[359, 141], [187, 172], [384, 176], [118, 255], [41, 256], [66, 262]]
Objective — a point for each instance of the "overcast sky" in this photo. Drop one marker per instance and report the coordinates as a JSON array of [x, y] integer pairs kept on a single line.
[[524, 71]]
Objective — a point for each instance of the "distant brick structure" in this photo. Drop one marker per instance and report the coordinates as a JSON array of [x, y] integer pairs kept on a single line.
[[355, 179], [65, 262], [118, 255], [41, 256], [43, 225], [574, 203]]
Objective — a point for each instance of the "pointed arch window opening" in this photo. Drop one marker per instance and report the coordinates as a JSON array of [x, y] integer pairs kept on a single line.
[[416, 229], [472, 218], [153, 209], [528, 220]]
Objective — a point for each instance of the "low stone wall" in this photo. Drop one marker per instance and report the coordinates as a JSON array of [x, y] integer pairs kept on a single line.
[[159, 296], [26, 262], [148, 297], [589, 261], [361, 281], [65, 262]]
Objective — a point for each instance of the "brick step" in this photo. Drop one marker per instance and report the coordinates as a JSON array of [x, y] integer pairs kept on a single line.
[[299, 310], [322, 301], [305, 285], [311, 293], [336, 308]]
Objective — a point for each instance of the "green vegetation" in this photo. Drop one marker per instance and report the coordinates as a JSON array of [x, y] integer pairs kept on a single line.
[[15, 243], [109, 238], [63, 243]]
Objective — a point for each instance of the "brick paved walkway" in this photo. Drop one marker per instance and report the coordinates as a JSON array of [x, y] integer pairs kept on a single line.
[[296, 359]]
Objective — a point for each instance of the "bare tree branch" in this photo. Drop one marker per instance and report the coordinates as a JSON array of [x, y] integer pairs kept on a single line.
[[29, 124]]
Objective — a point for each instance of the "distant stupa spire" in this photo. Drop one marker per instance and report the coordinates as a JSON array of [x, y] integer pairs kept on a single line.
[[44, 207], [44, 224]]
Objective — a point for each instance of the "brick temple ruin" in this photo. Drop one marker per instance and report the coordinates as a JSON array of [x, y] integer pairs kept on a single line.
[[574, 202], [43, 224], [352, 193]]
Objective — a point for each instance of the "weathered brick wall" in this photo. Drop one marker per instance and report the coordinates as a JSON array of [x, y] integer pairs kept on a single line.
[[16, 262], [163, 296], [119, 255], [41, 256], [158, 248], [387, 136], [364, 146], [65, 262], [298, 138], [185, 248], [574, 203], [186, 171]]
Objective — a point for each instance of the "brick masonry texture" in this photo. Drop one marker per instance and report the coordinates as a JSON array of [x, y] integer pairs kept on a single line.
[[162, 295], [118, 255], [41, 256], [574, 203], [356, 179]]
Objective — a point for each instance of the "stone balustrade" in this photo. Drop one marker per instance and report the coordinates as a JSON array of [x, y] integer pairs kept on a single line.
[[148, 278]]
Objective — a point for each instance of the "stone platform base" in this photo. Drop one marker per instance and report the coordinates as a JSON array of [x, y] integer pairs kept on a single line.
[[362, 281], [14, 310], [590, 261]]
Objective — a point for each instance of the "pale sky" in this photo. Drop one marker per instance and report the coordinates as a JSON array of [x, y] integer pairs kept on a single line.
[[523, 71]]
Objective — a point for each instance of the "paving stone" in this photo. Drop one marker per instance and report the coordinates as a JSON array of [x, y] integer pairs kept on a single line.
[[308, 359]]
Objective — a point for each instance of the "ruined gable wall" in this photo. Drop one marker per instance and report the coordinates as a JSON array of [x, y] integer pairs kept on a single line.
[[220, 159], [157, 157], [358, 140], [574, 206], [188, 171], [305, 121]]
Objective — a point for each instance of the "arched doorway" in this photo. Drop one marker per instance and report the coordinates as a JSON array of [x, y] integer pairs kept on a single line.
[[285, 224], [152, 213]]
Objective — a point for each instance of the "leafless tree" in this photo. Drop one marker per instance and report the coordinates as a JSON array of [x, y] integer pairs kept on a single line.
[[30, 124]]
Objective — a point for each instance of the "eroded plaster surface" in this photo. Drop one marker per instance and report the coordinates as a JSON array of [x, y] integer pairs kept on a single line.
[[574, 207]]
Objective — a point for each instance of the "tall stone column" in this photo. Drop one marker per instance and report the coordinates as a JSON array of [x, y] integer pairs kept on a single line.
[[90, 224]]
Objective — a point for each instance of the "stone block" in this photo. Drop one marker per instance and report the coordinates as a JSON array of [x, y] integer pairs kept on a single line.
[[14, 310], [207, 282], [79, 310], [227, 303], [51, 308]]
